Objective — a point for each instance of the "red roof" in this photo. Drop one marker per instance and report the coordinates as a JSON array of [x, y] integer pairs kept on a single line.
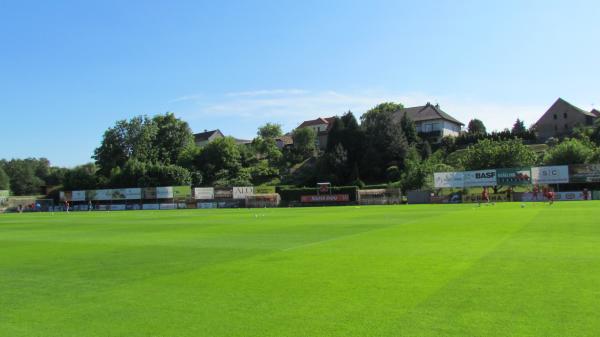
[[317, 121]]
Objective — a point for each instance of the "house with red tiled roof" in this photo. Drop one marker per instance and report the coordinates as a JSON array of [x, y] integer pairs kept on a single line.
[[321, 126]]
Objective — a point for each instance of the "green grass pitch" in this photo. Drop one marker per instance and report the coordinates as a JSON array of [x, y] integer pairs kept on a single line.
[[423, 270]]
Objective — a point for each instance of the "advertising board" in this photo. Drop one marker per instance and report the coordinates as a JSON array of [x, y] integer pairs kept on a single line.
[[325, 198], [149, 193], [4, 194], [454, 198], [449, 179], [150, 206], [480, 178], [558, 196], [168, 206], [550, 175], [207, 205], [127, 194], [90, 195], [223, 193], [242, 192], [164, 192], [204, 193], [117, 207], [78, 196], [479, 198], [65, 196], [584, 173], [514, 176], [103, 195], [182, 192], [264, 189]]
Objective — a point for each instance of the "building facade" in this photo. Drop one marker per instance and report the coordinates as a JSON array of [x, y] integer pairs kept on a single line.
[[431, 122], [321, 126], [560, 119]]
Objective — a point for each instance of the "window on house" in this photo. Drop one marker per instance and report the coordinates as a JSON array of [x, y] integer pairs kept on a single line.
[[566, 126], [565, 115], [555, 116]]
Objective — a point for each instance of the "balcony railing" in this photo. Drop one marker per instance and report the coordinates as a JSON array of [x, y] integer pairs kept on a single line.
[[430, 134]]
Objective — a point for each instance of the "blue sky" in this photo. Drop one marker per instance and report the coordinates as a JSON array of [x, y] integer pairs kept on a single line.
[[70, 69]]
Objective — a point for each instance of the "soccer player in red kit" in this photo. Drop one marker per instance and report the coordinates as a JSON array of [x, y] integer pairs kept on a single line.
[[550, 196], [485, 195]]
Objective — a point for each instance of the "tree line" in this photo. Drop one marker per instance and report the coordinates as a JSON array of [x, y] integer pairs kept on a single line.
[[378, 148]]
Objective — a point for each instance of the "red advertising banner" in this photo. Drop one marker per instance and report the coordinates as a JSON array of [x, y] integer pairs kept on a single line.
[[325, 198]]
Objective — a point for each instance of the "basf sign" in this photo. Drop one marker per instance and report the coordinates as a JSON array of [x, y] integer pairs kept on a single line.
[[550, 175], [480, 178]]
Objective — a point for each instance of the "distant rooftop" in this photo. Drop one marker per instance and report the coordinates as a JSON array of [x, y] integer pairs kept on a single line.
[[426, 112]]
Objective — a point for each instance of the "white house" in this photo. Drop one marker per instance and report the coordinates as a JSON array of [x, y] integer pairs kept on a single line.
[[431, 122]]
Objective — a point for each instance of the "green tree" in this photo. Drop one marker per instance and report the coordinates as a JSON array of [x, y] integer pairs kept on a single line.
[[56, 176], [409, 129], [22, 175], [595, 134], [476, 127], [269, 131], [165, 175], [131, 139], [518, 128], [569, 151], [488, 154], [81, 178], [425, 149], [173, 137], [304, 142], [219, 160], [4, 180], [386, 144]]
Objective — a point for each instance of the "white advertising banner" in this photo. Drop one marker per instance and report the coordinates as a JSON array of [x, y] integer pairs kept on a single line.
[[103, 195], [164, 192], [550, 175], [449, 180], [204, 193], [242, 192], [480, 178], [78, 196]]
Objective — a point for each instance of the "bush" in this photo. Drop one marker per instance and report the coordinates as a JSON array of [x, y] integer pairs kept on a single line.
[[570, 151]]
